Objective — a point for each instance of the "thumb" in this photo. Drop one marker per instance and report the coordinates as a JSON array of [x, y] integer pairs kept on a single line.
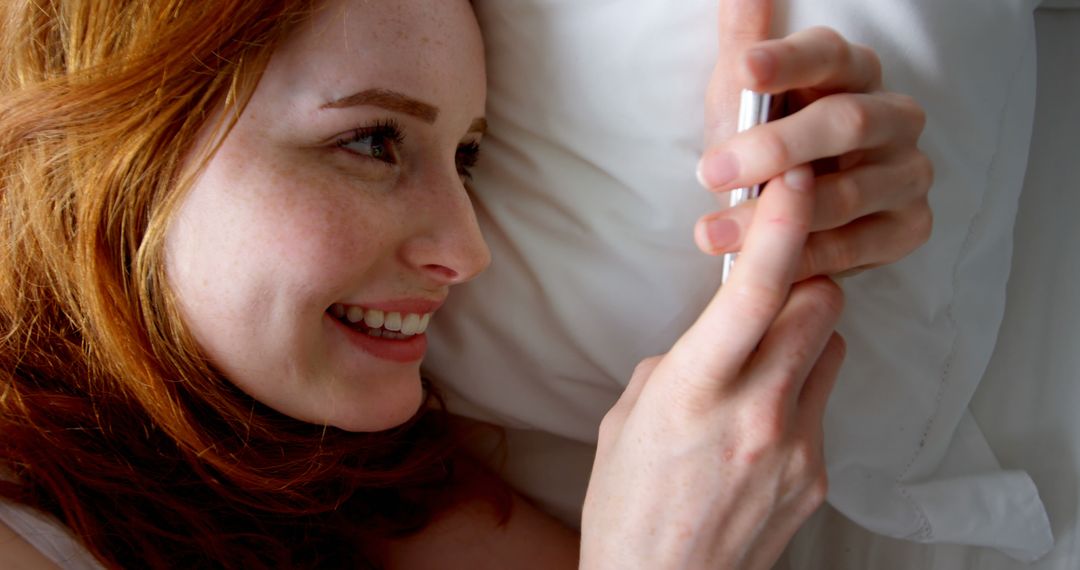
[[741, 24]]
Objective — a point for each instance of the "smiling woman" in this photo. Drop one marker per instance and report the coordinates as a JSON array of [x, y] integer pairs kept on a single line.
[[338, 193], [227, 227], [195, 203]]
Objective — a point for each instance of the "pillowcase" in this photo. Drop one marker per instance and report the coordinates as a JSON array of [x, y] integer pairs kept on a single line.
[[587, 197]]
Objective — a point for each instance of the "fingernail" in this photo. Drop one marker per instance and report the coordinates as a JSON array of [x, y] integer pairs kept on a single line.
[[721, 233], [800, 178], [714, 171]]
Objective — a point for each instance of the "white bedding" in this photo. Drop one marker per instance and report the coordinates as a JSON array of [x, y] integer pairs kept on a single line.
[[1028, 402], [586, 194]]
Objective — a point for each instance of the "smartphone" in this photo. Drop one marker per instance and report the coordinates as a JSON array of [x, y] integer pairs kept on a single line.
[[754, 109]]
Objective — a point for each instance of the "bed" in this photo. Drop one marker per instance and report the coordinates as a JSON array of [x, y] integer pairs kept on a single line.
[[1028, 402], [960, 450]]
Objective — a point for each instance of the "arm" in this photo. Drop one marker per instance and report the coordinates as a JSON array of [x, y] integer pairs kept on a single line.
[[17, 554], [468, 535]]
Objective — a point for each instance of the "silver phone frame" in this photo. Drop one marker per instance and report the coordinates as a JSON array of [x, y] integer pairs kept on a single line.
[[754, 109]]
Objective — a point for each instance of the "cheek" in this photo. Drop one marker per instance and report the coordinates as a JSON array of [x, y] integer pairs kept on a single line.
[[253, 228]]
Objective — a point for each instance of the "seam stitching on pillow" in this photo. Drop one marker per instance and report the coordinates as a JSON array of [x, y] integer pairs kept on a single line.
[[925, 531]]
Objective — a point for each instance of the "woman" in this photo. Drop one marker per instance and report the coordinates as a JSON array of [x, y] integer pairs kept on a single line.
[[229, 223]]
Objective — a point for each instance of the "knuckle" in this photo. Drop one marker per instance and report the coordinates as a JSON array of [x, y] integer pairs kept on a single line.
[[766, 431], [646, 366], [837, 346], [772, 147], [910, 106], [804, 460], [852, 118], [873, 62], [923, 224], [835, 45], [924, 172], [828, 295], [782, 386], [808, 464], [832, 253], [817, 492], [910, 110], [846, 198], [918, 114]]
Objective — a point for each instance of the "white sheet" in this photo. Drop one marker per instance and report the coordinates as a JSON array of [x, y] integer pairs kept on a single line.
[[1027, 404], [585, 196]]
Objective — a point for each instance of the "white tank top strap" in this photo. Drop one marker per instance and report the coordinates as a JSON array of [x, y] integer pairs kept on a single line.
[[47, 535]]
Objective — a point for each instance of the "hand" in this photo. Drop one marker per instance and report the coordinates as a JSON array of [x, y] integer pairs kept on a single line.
[[712, 457], [871, 206]]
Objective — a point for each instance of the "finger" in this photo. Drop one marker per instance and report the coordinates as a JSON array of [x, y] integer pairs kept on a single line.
[[793, 345], [831, 126], [817, 58], [840, 198], [872, 187], [867, 242], [819, 384], [741, 23], [718, 344]]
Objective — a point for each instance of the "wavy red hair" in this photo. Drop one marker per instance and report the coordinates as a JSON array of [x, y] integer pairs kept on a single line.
[[110, 418]]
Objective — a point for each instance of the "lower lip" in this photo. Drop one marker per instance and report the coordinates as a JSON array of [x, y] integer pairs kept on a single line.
[[410, 349]]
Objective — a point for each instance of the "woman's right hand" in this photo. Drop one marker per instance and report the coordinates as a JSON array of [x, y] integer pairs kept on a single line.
[[712, 457]]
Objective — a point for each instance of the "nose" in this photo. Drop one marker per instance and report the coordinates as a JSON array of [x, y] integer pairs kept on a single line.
[[447, 246]]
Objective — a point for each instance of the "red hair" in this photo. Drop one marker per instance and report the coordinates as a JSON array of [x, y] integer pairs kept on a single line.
[[110, 417]]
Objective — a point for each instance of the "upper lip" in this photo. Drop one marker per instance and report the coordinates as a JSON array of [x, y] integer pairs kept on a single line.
[[415, 305]]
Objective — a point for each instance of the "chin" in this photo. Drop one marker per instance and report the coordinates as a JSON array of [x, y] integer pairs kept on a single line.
[[383, 412]]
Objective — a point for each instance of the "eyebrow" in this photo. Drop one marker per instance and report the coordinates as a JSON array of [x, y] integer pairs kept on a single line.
[[479, 125], [390, 100]]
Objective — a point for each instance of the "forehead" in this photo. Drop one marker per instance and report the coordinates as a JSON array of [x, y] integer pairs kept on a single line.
[[428, 49]]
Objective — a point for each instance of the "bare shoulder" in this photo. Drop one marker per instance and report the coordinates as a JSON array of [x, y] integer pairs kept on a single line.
[[17, 554], [469, 536]]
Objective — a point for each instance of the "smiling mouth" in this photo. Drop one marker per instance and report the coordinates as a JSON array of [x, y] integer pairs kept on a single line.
[[380, 324]]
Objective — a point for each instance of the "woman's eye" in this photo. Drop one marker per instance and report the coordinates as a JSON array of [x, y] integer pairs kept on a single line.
[[379, 142], [466, 156]]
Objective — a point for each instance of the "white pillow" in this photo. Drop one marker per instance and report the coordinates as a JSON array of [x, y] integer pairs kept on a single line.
[[587, 196]]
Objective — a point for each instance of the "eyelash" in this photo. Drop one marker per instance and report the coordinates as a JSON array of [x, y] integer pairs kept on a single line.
[[386, 133], [466, 157]]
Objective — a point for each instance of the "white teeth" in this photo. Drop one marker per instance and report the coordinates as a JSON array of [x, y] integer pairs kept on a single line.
[[355, 314], [410, 324], [374, 318], [392, 322], [424, 321], [381, 324]]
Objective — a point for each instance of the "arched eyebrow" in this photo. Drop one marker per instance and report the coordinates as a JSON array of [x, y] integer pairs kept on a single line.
[[389, 100], [479, 125]]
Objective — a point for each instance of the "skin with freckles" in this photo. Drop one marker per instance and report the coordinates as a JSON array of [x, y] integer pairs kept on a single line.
[[343, 182], [341, 186]]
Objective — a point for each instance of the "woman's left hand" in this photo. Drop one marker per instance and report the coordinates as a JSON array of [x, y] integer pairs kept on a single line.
[[872, 181]]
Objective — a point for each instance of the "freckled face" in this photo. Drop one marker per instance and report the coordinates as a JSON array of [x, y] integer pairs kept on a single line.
[[338, 197]]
